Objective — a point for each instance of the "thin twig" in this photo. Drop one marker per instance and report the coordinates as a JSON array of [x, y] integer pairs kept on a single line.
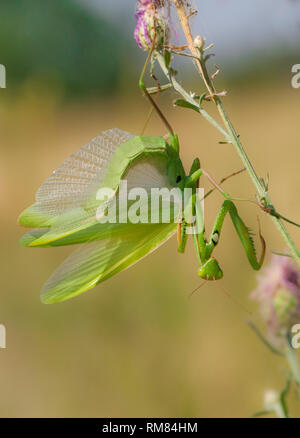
[[231, 134], [189, 98], [264, 341]]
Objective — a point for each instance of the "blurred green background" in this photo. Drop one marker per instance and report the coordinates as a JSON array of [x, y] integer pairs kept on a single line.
[[136, 345]]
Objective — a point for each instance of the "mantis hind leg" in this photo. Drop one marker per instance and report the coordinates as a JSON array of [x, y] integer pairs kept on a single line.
[[154, 99], [148, 95]]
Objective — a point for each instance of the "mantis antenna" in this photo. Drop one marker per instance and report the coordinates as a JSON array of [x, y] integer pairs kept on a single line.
[[234, 299], [224, 291]]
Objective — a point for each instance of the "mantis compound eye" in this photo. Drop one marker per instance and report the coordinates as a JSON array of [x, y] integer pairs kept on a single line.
[[178, 179]]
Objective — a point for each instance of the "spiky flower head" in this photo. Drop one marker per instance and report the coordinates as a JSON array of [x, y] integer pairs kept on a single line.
[[278, 293], [151, 29]]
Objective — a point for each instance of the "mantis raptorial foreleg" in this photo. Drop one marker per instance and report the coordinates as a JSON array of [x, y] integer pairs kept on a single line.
[[242, 230], [182, 226], [210, 269], [193, 180]]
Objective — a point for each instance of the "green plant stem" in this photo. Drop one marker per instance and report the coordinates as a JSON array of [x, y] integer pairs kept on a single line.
[[230, 131], [293, 362], [264, 340], [189, 98], [279, 410]]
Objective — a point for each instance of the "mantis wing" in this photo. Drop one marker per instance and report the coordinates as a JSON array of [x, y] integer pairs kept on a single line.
[[98, 260], [71, 183], [78, 225]]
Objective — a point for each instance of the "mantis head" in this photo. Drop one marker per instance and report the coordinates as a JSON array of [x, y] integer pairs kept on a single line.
[[210, 270], [176, 173]]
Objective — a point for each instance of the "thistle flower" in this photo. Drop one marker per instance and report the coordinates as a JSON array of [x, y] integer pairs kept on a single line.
[[151, 29], [278, 292]]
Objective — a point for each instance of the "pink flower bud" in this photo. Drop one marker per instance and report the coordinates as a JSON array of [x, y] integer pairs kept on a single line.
[[278, 292]]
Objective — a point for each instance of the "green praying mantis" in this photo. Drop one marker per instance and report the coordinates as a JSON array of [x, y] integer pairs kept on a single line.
[[65, 211]]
